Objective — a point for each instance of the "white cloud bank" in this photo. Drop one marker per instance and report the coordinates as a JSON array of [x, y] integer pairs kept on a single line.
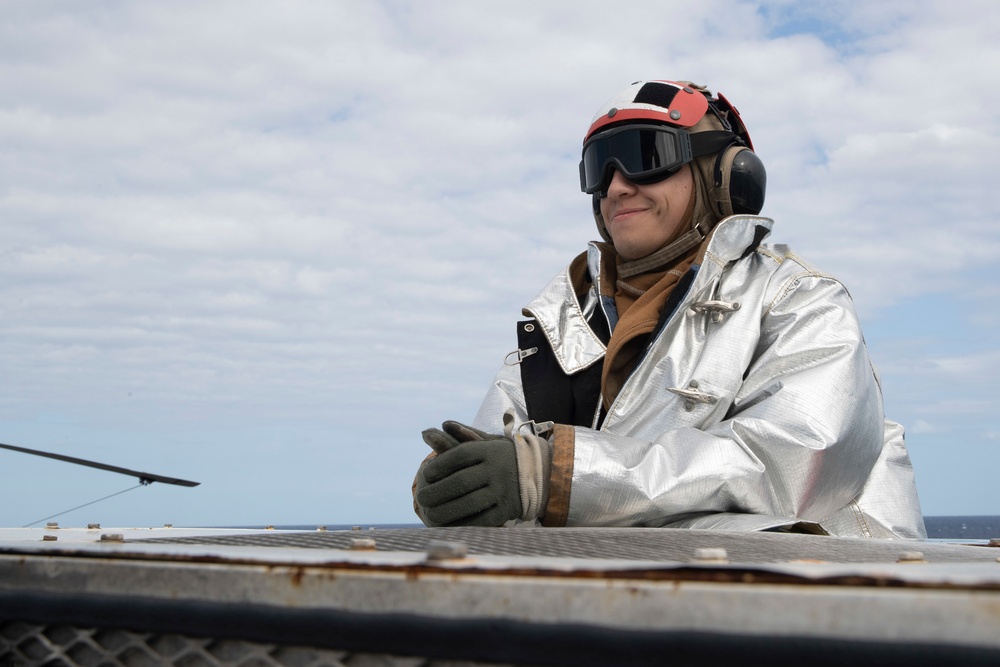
[[264, 244]]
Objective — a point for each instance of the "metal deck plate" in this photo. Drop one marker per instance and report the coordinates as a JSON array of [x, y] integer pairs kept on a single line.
[[648, 544]]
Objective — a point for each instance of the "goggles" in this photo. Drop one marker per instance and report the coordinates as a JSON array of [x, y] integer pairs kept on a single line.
[[642, 153]]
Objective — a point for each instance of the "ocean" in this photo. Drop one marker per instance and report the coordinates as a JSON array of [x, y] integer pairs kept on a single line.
[[962, 527]]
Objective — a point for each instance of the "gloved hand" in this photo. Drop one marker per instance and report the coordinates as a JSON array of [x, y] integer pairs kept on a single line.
[[472, 481]]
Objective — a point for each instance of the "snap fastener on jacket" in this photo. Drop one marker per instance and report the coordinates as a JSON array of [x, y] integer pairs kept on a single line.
[[521, 355], [693, 396], [718, 309]]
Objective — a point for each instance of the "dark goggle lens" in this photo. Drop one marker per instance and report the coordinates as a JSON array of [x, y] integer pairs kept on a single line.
[[644, 154]]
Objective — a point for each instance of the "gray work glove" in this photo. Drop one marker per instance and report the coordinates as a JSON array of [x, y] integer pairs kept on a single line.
[[472, 481]]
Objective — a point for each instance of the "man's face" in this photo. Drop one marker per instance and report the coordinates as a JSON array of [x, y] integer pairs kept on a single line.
[[642, 218]]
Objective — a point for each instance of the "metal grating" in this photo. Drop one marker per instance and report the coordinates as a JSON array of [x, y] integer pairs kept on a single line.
[[31, 645], [652, 544]]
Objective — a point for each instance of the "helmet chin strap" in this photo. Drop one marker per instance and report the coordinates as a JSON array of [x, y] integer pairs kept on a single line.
[[679, 247]]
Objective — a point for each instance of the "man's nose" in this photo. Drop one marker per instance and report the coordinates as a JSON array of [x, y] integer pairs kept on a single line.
[[620, 185]]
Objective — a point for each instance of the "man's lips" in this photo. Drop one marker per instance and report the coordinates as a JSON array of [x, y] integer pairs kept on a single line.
[[625, 212]]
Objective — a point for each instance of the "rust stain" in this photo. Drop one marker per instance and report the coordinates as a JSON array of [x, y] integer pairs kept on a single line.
[[467, 568]]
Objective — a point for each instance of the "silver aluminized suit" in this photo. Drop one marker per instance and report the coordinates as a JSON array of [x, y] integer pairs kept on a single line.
[[762, 415]]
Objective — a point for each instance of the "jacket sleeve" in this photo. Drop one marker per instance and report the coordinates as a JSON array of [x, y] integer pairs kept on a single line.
[[505, 393], [797, 439]]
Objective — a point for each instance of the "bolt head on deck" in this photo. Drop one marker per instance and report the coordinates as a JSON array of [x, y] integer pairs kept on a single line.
[[443, 550], [710, 555]]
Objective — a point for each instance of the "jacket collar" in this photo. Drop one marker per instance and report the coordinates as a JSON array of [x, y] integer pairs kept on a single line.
[[737, 236], [564, 323]]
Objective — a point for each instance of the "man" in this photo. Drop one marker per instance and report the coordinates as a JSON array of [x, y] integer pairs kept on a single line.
[[682, 373]]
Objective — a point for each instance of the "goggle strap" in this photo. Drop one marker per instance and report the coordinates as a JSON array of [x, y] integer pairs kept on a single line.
[[707, 143]]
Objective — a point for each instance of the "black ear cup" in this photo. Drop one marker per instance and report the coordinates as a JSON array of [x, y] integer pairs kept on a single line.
[[740, 181], [747, 182]]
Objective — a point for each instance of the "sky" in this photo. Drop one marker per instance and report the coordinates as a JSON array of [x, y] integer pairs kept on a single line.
[[262, 245]]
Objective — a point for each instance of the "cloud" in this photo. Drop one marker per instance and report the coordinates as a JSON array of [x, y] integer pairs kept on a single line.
[[305, 230], [921, 427]]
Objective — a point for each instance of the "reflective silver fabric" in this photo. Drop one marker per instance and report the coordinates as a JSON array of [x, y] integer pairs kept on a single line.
[[753, 416]]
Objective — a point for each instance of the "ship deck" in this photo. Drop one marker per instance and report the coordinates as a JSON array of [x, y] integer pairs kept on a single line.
[[446, 596]]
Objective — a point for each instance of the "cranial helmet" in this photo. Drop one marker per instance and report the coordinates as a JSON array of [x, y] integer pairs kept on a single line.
[[652, 129]]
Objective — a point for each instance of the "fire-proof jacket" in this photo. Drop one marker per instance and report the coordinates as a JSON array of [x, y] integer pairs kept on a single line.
[[754, 407]]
